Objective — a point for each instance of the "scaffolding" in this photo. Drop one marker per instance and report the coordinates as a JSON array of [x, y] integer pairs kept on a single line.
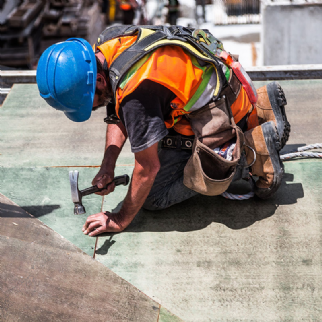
[[28, 27]]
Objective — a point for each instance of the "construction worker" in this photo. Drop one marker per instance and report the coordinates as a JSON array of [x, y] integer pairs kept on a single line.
[[190, 123], [128, 8], [173, 11]]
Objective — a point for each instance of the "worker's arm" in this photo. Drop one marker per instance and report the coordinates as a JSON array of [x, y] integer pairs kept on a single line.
[[115, 138], [145, 170]]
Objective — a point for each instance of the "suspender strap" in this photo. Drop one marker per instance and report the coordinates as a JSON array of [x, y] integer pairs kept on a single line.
[[231, 90], [124, 30], [162, 36], [130, 56], [114, 32]]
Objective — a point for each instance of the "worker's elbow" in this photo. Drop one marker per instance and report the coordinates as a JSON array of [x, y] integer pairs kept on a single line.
[[147, 163], [148, 169], [153, 168]]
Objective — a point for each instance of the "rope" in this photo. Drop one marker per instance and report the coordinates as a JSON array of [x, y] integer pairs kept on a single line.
[[309, 147], [232, 196], [294, 155], [245, 196], [298, 153]]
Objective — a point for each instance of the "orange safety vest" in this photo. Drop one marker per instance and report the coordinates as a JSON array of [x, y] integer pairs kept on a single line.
[[178, 71]]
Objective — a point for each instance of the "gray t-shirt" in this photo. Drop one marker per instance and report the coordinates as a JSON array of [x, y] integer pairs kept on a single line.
[[143, 113]]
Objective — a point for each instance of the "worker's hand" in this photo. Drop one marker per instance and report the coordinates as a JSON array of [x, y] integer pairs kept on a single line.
[[102, 222], [104, 177]]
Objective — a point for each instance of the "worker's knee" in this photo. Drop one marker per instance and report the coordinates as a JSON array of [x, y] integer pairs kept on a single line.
[[152, 204]]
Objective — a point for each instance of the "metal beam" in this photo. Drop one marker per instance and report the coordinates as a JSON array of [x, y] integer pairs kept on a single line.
[[10, 77], [259, 73], [285, 72]]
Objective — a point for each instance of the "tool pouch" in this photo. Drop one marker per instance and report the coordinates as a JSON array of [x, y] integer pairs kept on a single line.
[[206, 172]]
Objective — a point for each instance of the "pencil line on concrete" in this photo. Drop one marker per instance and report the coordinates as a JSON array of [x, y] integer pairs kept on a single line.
[[98, 236], [95, 247], [85, 166], [159, 313]]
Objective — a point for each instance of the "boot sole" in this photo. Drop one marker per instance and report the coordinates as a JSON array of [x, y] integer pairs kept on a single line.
[[272, 143], [278, 101]]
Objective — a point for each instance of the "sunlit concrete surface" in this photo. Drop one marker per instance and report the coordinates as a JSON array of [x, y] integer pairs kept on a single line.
[[209, 259]]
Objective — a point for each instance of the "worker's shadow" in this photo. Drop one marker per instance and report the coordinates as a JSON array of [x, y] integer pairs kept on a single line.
[[10, 210], [200, 211], [108, 243]]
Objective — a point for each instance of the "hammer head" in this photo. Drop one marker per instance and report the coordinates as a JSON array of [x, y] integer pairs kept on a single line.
[[79, 209]]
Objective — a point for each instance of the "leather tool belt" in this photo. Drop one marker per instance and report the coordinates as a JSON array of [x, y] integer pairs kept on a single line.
[[177, 142], [206, 172]]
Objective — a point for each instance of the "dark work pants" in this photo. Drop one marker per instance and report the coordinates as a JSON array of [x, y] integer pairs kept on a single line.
[[168, 188]]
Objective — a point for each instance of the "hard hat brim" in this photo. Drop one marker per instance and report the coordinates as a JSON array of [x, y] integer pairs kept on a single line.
[[79, 116]]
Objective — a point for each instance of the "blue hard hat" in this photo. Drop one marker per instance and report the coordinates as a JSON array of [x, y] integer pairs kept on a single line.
[[66, 78]]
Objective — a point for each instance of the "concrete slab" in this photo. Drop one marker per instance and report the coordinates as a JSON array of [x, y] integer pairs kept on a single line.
[[209, 259], [40, 283], [45, 193], [46, 278], [17, 223]]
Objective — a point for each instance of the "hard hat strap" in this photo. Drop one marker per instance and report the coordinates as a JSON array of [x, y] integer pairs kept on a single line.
[[111, 114]]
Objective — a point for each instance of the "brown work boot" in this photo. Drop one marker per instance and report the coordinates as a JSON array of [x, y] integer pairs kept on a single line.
[[270, 106], [262, 155]]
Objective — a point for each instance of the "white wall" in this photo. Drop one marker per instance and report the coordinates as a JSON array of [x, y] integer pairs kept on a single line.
[[292, 34]]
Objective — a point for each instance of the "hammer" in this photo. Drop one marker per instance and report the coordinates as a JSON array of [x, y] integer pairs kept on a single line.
[[77, 194]]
